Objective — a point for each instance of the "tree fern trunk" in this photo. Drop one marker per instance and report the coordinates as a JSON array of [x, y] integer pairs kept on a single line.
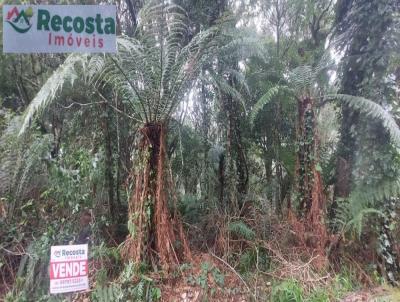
[[309, 182], [156, 236], [305, 154]]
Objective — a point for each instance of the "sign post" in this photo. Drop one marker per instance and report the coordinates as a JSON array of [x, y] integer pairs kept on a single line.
[[69, 268]]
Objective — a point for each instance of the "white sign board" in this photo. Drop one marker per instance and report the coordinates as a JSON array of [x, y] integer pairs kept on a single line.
[[59, 28], [69, 268]]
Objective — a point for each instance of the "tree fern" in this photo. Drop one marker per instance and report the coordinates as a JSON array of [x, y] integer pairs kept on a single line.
[[303, 81], [152, 71]]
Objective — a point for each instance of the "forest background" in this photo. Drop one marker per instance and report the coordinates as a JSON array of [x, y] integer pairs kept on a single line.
[[233, 150]]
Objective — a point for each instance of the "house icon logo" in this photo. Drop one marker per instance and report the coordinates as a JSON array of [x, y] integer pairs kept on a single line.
[[20, 20]]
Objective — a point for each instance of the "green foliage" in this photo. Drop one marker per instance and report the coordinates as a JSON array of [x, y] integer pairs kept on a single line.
[[218, 277], [129, 287], [287, 291], [356, 223], [70, 181], [351, 215], [318, 295], [386, 242], [110, 293], [186, 159], [65, 74], [254, 258], [237, 91], [344, 282], [227, 88], [21, 159], [202, 280], [191, 208], [306, 80], [110, 260], [168, 65], [265, 99], [32, 276], [103, 252], [242, 230], [291, 290], [371, 110], [364, 202]]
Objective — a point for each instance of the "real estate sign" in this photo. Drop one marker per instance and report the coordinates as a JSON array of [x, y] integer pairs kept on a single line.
[[59, 28], [68, 268]]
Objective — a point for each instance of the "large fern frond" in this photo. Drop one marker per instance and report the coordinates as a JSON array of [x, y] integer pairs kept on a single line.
[[67, 73], [363, 201], [21, 161], [265, 99], [373, 110], [223, 85], [353, 222], [302, 78]]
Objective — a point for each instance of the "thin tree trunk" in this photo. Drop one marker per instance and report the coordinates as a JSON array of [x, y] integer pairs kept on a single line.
[[118, 174], [108, 167], [56, 128], [278, 164], [205, 125], [237, 151], [221, 178]]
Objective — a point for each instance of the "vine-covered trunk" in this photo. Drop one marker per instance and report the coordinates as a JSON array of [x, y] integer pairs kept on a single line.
[[309, 181], [156, 235], [307, 176], [387, 249]]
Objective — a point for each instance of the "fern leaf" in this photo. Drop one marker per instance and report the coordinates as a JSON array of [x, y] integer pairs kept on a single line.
[[65, 74], [373, 110], [224, 86], [264, 100], [356, 223]]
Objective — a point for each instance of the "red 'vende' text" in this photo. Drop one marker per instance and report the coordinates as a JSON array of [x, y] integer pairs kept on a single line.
[[60, 270]]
